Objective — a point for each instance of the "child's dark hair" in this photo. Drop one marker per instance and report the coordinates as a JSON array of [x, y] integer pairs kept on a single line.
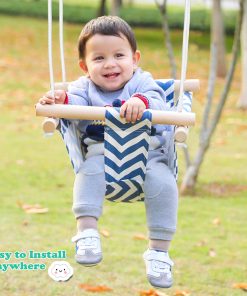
[[105, 25]]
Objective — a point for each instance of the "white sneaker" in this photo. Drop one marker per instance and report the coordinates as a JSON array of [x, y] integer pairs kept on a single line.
[[158, 268], [88, 247]]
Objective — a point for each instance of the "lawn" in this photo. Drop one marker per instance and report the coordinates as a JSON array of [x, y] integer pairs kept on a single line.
[[209, 248]]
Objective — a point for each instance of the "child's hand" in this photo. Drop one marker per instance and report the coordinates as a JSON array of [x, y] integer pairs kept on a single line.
[[132, 109], [59, 97]]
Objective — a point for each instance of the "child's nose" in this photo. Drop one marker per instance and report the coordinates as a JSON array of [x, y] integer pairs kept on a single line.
[[109, 63]]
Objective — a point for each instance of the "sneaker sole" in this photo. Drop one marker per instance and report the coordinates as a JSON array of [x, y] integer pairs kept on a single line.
[[82, 261], [166, 286], [162, 287]]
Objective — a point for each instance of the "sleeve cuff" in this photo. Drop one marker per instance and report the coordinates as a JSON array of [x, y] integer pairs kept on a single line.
[[66, 101], [142, 98]]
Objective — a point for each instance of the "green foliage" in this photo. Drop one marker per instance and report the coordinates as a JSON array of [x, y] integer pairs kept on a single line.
[[136, 15]]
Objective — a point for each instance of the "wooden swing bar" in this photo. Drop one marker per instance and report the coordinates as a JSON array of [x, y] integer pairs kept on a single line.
[[98, 113]]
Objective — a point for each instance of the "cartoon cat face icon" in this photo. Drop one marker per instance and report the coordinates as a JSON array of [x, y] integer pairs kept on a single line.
[[60, 271]]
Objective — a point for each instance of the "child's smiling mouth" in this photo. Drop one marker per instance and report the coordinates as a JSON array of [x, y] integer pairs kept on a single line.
[[111, 75]]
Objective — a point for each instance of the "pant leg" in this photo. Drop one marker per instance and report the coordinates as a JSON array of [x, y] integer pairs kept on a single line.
[[89, 188], [161, 197]]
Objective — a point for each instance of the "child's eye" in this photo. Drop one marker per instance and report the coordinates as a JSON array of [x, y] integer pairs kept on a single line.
[[119, 55], [99, 58]]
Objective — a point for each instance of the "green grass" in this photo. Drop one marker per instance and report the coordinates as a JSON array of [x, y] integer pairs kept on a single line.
[[136, 15], [37, 170]]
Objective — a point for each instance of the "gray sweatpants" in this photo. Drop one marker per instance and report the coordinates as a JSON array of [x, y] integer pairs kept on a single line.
[[161, 194]]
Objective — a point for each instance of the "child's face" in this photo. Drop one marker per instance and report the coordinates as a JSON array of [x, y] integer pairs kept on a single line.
[[109, 61]]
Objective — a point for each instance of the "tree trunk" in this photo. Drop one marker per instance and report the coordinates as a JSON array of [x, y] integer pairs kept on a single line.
[[167, 36], [242, 103], [102, 8], [218, 37], [207, 129], [169, 47], [115, 7], [191, 175]]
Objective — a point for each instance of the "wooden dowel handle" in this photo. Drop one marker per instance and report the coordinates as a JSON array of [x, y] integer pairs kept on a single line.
[[181, 134], [98, 113], [192, 85], [49, 125]]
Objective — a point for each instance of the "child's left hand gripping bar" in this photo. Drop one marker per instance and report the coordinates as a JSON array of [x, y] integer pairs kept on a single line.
[[50, 124]]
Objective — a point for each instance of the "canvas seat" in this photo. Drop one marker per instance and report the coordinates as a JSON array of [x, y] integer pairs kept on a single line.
[[72, 139]]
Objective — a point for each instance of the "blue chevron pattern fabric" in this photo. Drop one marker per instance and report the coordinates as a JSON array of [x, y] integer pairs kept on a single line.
[[126, 152]]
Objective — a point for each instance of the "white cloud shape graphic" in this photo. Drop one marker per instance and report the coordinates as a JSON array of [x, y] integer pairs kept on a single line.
[[60, 271]]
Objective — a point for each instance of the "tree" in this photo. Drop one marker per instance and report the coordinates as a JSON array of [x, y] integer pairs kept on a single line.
[[218, 37], [115, 7], [102, 8], [242, 103], [167, 36], [208, 126]]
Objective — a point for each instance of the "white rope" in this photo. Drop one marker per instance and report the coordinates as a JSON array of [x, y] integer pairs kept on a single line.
[[61, 40], [50, 46], [184, 53]]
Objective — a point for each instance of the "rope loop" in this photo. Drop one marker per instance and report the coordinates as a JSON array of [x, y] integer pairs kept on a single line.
[[61, 44], [184, 54]]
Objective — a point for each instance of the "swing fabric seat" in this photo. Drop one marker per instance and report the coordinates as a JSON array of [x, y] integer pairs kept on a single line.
[[126, 148]]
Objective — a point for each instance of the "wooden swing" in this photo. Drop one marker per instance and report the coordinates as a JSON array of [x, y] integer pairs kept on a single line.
[[124, 181]]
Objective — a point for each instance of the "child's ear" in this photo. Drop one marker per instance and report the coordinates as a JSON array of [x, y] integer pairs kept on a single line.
[[83, 66], [136, 58]]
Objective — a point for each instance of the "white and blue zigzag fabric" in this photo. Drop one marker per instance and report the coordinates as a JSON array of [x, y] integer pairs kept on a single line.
[[126, 152]]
